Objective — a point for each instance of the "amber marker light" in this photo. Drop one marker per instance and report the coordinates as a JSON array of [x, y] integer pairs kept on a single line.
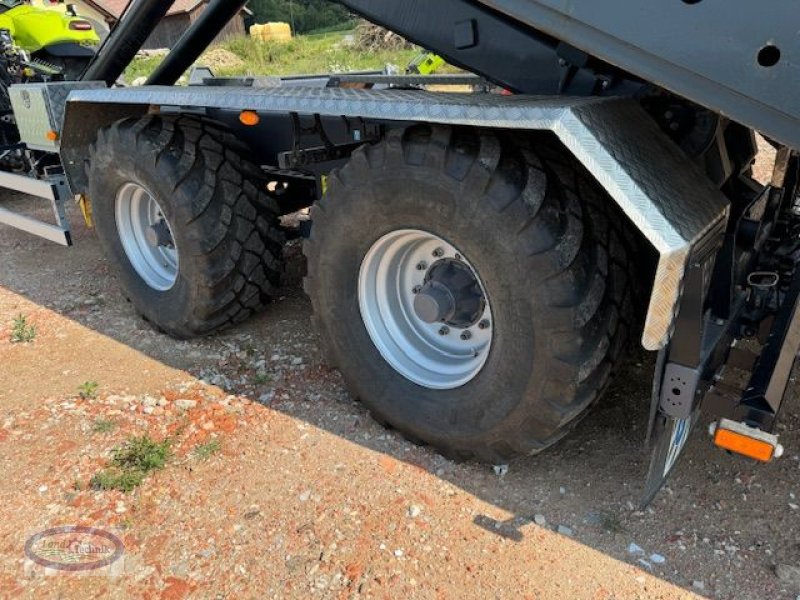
[[249, 118]]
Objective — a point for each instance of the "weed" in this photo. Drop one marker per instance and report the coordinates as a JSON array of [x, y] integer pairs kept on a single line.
[[88, 389], [111, 479], [612, 523], [207, 450], [104, 426], [261, 378], [131, 463], [21, 331]]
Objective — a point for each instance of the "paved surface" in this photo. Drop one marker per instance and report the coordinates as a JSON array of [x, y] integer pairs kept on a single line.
[[306, 496]]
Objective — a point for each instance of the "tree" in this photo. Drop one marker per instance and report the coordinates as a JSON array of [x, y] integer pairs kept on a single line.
[[307, 15]]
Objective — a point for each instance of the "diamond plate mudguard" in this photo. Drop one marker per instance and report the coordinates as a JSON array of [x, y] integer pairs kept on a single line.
[[667, 197]]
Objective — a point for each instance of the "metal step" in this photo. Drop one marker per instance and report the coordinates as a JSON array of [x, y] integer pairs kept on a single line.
[[55, 190]]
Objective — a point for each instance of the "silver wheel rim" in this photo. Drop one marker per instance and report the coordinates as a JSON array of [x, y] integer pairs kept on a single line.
[[433, 355], [146, 237]]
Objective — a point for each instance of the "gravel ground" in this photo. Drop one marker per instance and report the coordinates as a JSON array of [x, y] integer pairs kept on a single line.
[[306, 496]]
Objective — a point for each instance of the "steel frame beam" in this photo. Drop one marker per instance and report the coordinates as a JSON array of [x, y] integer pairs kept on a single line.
[[127, 38]]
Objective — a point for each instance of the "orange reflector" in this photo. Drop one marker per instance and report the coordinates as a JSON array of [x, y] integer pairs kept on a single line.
[[52, 135], [249, 118], [745, 445]]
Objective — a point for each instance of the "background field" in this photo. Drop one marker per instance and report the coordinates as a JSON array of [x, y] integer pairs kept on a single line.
[[306, 54]]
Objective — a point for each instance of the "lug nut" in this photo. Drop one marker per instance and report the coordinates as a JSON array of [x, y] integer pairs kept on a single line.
[[458, 257], [417, 289], [466, 335], [444, 330], [422, 266], [484, 324], [438, 253]]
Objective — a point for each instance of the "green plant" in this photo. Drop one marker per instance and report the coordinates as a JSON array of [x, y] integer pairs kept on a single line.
[[108, 479], [205, 451], [104, 426], [131, 463], [261, 378], [612, 523], [21, 331], [88, 389]]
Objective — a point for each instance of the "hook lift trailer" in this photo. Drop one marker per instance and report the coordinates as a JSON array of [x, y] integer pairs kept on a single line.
[[475, 261]]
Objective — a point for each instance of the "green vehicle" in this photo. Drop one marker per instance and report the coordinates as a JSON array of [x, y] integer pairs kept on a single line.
[[37, 45], [48, 37]]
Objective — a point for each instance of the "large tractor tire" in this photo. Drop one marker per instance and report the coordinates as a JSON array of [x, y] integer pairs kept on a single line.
[[473, 288], [193, 237]]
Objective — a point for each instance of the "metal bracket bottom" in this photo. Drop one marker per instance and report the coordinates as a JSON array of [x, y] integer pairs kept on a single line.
[[55, 190]]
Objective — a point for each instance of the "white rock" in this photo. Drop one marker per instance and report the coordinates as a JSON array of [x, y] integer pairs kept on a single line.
[[42, 489], [500, 470], [564, 530], [539, 520], [657, 559], [414, 511], [645, 564], [562, 490], [698, 585], [635, 549], [185, 404], [398, 553]]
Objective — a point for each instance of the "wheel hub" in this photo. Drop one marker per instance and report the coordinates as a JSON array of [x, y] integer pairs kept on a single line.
[[159, 234], [430, 323], [451, 295], [146, 236]]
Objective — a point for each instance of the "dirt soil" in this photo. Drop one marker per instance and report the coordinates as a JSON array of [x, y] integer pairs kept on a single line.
[[308, 497]]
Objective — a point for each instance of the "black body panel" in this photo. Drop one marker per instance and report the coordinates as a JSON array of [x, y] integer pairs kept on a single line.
[[740, 59]]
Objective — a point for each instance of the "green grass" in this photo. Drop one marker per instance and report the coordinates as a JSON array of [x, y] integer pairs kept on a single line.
[[104, 426], [88, 390], [261, 378], [304, 55], [131, 463], [207, 450], [21, 331]]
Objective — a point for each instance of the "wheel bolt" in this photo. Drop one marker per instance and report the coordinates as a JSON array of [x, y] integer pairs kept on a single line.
[[466, 335], [458, 257], [417, 289], [484, 324], [444, 330], [422, 266], [438, 253]]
